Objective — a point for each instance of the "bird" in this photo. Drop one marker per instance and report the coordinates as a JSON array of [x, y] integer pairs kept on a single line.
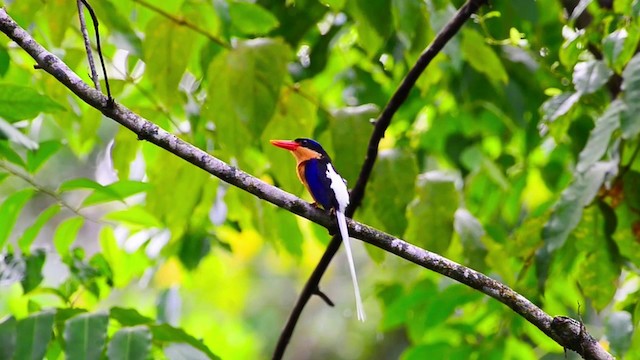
[[328, 189]]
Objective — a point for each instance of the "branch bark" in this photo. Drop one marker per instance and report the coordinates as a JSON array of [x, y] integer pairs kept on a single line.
[[571, 337]]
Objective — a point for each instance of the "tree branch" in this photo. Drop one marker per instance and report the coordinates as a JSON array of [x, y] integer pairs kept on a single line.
[[358, 192], [564, 335], [87, 46]]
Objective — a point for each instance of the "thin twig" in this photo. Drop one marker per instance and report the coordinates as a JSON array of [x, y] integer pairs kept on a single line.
[[94, 18], [54, 195], [182, 22], [564, 336], [87, 46], [357, 194]]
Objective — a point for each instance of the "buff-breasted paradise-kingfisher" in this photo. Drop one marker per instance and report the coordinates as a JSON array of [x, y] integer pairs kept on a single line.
[[328, 189]]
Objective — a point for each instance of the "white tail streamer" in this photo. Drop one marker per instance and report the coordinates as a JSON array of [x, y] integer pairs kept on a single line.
[[344, 233]]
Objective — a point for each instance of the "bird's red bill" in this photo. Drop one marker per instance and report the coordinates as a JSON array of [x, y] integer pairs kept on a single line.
[[286, 144]]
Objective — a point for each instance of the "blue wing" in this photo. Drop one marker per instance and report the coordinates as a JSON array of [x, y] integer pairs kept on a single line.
[[318, 184]]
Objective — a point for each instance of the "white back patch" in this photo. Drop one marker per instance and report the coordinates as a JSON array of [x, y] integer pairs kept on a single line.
[[339, 188]]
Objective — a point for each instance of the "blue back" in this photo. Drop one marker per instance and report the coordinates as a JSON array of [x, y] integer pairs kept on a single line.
[[315, 173]]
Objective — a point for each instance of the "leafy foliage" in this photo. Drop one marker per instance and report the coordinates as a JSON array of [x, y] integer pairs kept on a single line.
[[516, 154]]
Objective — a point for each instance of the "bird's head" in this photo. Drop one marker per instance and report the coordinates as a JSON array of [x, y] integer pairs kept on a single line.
[[303, 149]]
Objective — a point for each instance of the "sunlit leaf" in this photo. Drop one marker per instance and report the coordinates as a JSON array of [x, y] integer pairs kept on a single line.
[[618, 47], [130, 343], [482, 57], [559, 105], [66, 234], [85, 336], [136, 216], [19, 102], [589, 76], [9, 211], [128, 317], [33, 335], [123, 189], [250, 18]]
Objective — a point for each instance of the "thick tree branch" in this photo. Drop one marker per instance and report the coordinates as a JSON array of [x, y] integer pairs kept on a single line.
[[357, 194], [565, 335]]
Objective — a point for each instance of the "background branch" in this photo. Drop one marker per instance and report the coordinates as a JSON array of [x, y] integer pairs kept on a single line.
[[146, 130], [87, 46]]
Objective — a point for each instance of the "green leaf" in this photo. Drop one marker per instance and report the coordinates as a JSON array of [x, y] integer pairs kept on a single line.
[[350, 131], [187, 183], [30, 234], [85, 336], [255, 68], [100, 192], [37, 157], [33, 335], [406, 15], [66, 234], [619, 329], [373, 23], [19, 102], [391, 188], [121, 189], [130, 343], [630, 122], [167, 48], [559, 105], [6, 152], [169, 334], [433, 208], [600, 269], [589, 76], [482, 58], [129, 317], [33, 271], [568, 211], [619, 46], [10, 210], [600, 136], [251, 19], [136, 216], [5, 61], [7, 337]]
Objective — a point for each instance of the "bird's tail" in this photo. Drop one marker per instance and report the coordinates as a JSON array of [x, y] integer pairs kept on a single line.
[[344, 233]]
